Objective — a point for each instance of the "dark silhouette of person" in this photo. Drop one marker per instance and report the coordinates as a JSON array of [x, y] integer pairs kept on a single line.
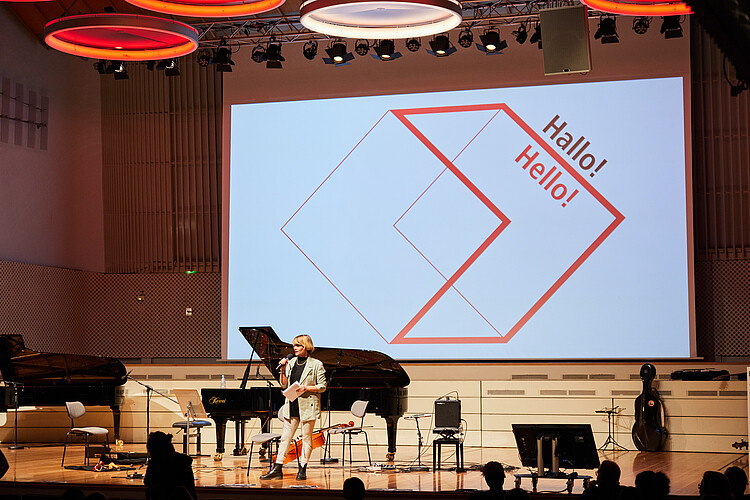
[[716, 484], [737, 482], [354, 489], [3, 464], [494, 476], [607, 484], [517, 494], [630, 493], [167, 471], [652, 485]]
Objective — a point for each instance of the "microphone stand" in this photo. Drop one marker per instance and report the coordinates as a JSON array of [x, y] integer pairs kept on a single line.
[[149, 390], [327, 458], [265, 426], [16, 403]]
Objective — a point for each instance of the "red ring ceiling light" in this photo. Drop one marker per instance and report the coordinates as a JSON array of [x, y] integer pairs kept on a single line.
[[209, 8], [640, 7], [121, 37]]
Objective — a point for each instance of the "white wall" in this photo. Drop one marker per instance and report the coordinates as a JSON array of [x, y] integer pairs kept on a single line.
[[51, 210]]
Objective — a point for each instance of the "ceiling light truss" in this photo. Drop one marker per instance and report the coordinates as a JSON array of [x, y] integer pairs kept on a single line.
[[288, 29]]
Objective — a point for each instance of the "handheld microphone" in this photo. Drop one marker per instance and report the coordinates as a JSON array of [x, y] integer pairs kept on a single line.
[[287, 357]]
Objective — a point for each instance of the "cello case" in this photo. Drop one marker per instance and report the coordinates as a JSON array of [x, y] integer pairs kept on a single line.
[[649, 433]]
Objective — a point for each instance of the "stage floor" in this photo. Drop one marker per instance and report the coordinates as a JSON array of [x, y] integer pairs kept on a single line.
[[40, 463]]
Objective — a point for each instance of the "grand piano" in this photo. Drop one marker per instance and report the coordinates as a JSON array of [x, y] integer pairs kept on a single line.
[[35, 378], [351, 374]]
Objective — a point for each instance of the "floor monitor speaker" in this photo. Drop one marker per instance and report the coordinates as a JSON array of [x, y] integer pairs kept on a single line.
[[565, 40]]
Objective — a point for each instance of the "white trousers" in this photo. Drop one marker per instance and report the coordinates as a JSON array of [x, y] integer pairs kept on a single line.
[[290, 427]]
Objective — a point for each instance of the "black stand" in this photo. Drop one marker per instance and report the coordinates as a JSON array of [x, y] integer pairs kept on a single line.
[[15, 446], [149, 390], [327, 458], [611, 412], [419, 467], [554, 471]]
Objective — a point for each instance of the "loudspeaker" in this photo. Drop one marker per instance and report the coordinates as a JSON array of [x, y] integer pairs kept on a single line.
[[565, 40], [447, 413]]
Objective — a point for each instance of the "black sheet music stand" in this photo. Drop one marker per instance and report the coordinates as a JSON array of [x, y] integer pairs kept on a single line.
[[611, 412]]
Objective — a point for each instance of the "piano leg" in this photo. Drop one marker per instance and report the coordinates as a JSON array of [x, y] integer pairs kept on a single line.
[[116, 419], [239, 434], [391, 423], [221, 429]]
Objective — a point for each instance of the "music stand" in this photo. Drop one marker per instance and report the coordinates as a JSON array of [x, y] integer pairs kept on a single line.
[[191, 406], [611, 412], [419, 467]]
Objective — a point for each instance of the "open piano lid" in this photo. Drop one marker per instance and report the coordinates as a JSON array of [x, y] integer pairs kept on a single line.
[[22, 365], [344, 367]]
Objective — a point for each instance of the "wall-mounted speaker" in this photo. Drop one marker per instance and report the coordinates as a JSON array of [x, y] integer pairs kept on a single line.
[[565, 39]]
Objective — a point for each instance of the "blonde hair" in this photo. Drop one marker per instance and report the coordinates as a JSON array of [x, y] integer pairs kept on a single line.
[[306, 342]]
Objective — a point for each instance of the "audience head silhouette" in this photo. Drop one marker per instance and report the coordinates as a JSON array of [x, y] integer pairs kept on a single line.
[[652, 485], [494, 475], [715, 483], [737, 481], [159, 445], [354, 489]]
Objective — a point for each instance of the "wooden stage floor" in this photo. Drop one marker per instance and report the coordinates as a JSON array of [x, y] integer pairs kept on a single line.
[[41, 464]]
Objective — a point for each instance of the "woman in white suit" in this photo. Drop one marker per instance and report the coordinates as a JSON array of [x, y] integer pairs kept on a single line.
[[304, 410]]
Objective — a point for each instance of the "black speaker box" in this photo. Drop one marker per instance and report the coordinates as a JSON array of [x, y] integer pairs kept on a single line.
[[447, 413], [565, 39]]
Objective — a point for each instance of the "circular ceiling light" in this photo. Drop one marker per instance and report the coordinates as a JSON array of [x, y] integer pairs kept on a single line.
[[380, 19], [121, 37], [209, 8], [640, 7]]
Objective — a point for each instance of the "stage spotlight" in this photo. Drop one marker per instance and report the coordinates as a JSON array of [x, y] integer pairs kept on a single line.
[[273, 55], [103, 67], [120, 70], [670, 27], [413, 44], [259, 54], [607, 30], [441, 46], [386, 51], [491, 42], [169, 66], [536, 36], [641, 24], [337, 54], [223, 58], [361, 47], [521, 34], [204, 58], [466, 38], [310, 50]]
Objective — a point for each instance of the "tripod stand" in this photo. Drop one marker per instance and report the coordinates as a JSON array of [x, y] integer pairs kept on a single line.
[[610, 441], [16, 403], [419, 467]]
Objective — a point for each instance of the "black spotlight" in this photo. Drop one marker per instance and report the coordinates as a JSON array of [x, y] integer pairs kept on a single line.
[[521, 34], [641, 25], [441, 46], [273, 55], [204, 58], [259, 54], [361, 47], [413, 44], [223, 58], [670, 27], [150, 65], [120, 70], [169, 66], [104, 67], [491, 42], [607, 30], [337, 54], [466, 38], [386, 51], [310, 50], [536, 36]]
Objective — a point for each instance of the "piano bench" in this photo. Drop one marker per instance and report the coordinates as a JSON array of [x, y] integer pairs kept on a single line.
[[436, 449], [192, 424]]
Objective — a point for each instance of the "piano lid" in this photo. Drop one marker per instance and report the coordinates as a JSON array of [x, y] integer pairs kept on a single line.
[[344, 367], [22, 365]]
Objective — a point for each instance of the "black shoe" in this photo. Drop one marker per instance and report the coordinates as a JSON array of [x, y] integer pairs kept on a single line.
[[274, 473], [302, 473]]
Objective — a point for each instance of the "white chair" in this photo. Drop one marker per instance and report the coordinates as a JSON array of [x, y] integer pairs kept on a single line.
[[191, 406], [359, 409], [269, 438], [77, 410]]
